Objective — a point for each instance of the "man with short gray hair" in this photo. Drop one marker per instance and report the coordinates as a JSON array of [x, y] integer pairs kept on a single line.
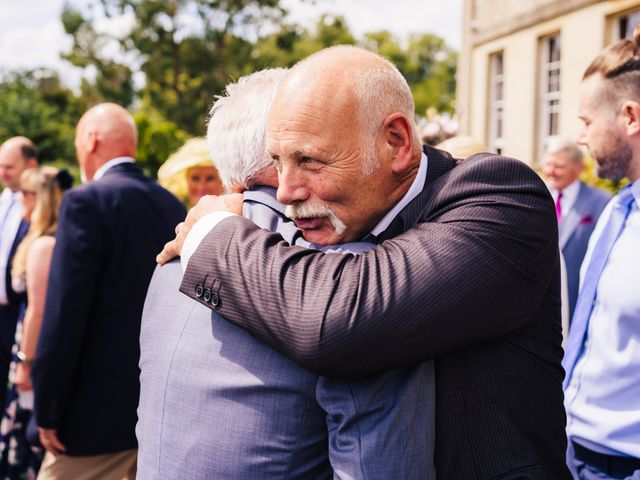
[[578, 206]]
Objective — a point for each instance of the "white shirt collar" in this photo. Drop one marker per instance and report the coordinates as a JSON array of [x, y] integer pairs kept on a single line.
[[414, 190], [111, 163]]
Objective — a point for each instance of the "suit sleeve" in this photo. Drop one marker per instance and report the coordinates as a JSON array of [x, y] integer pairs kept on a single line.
[[76, 259], [477, 266]]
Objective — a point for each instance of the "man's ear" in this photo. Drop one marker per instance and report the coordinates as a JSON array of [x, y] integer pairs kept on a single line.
[[92, 141], [631, 117], [399, 140], [32, 163]]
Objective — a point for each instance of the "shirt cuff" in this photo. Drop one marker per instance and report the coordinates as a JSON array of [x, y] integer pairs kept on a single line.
[[197, 233]]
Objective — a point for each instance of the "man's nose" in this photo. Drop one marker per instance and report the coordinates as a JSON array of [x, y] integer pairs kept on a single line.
[[291, 186], [581, 139]]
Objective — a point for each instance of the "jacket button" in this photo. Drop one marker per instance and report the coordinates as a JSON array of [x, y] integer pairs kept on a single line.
[[207, 295], [199, 290], [215, 299]]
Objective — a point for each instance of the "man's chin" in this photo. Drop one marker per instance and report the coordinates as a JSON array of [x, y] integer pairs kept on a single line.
[[321, 236]]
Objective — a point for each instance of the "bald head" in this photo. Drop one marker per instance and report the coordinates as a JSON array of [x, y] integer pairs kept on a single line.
[[356, 84], [16, 155], [104, 132]]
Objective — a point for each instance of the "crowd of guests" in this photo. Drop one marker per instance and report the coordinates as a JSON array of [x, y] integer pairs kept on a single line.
[[356, 305]]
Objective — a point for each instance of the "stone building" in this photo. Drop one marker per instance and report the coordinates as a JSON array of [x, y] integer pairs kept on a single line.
[[521, 64]]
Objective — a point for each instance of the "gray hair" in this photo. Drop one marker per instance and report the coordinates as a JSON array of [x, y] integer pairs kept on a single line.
[[557, 143], [237, 127], [381, 91]]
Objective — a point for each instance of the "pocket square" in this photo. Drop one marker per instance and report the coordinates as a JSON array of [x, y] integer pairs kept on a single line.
[[587, 220]]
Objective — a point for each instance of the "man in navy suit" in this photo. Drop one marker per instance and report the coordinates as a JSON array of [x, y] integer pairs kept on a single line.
[[578, 206], [86, 376], [16, 155]]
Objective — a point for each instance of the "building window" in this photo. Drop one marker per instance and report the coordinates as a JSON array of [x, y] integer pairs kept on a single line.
[[550, 89], [496, 107], [624, 25]]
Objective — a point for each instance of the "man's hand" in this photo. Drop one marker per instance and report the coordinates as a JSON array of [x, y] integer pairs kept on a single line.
[[49, 440], [230, 202]]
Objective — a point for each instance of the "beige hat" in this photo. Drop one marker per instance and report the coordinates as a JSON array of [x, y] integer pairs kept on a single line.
[[172, 175]]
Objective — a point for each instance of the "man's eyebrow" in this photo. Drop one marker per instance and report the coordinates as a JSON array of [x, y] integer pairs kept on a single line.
[[305, 151]]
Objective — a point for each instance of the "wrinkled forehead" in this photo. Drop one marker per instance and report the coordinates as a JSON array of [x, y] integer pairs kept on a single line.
[[305, 115]]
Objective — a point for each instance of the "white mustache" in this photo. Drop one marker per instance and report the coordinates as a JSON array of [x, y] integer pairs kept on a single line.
[[317, 210], [308, 210]]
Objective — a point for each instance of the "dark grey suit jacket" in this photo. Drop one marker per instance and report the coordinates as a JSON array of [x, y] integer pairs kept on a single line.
[[217, 403], [475, 284], [574, 233]]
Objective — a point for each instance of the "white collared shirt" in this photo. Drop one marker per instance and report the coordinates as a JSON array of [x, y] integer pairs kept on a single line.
[[12, 201], [414, 190], [204, 225], [111, 163], [603, 396], [569, 196]]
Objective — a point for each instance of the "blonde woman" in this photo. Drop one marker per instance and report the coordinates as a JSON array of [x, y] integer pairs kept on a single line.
[[189, 173], [30, 270]]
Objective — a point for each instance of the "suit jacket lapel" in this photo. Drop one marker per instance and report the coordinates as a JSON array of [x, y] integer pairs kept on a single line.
[[440, 162], [573, 218]]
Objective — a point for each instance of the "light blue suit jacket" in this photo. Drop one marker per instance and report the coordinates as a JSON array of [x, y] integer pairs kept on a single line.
[[574, 232], [216, 403]]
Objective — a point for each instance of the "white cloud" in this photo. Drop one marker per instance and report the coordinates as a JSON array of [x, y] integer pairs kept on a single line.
[[35, 39]]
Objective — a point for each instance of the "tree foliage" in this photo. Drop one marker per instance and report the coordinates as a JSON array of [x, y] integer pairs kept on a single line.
[[188, 50], [157, 139], [36, 105]]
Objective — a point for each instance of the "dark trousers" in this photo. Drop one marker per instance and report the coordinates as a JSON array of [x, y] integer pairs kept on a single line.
[[586, 464], [5, 360], [8, 319]]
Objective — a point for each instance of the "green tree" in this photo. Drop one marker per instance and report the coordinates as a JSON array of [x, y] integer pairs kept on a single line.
[[36, 105], [157, 139], [428, 64], [188, 50], [291, 43]]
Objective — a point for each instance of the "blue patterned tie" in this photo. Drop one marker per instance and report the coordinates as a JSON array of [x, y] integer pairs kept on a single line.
[[587, 296]]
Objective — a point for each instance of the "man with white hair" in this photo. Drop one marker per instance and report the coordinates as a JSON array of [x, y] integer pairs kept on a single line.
[[466, 270], [217, 403], [578, 206]]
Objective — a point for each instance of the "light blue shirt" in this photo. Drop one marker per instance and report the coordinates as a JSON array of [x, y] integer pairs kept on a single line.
[[11, 209], [603, 396]]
